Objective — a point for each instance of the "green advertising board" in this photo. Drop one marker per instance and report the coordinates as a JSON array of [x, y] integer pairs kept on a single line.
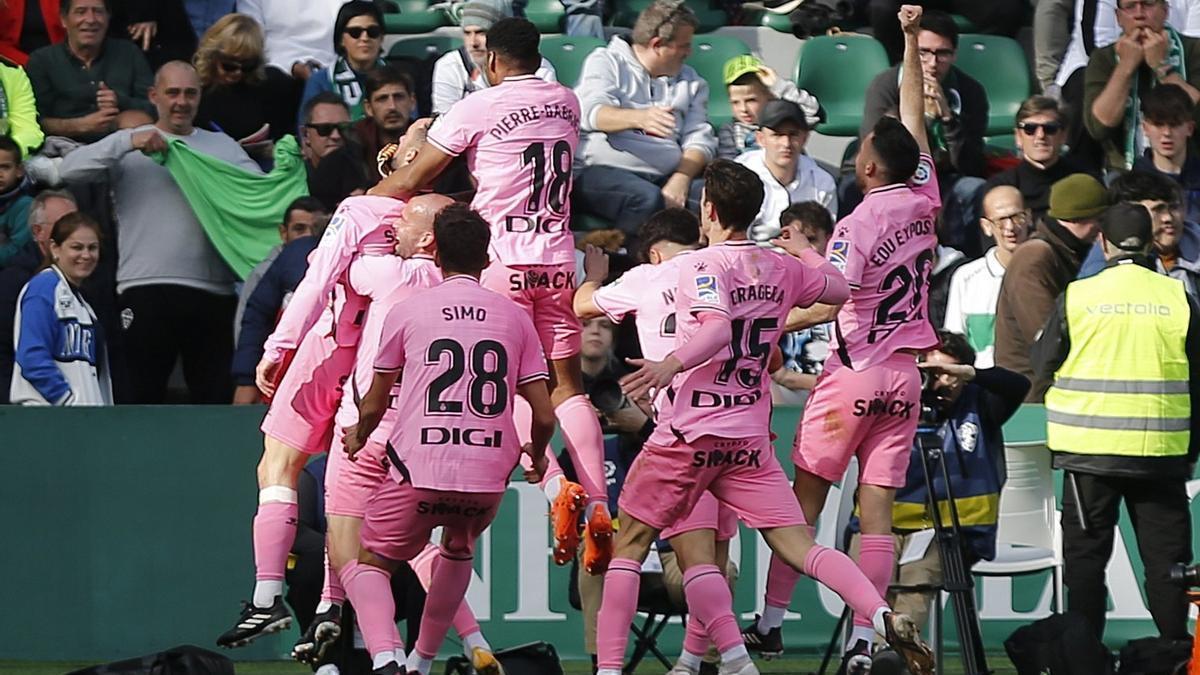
[[129, 531]]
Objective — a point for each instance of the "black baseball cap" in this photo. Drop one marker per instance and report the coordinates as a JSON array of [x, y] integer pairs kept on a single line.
[[1127, 227], [778, 112]]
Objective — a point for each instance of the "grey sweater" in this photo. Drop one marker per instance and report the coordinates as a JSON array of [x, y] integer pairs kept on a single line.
[[159, 239]]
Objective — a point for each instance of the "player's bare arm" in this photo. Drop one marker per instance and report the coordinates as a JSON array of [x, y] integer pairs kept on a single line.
[[715, 333], [538, 397], [595, 271], [414, 176], [370, 412], [912, 83]]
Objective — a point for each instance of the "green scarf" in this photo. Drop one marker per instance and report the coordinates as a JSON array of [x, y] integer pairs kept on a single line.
[[239, 210], [350, 86], [1133, 107]]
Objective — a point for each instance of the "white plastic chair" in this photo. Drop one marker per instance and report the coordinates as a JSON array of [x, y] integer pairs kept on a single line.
[[1029, 539]]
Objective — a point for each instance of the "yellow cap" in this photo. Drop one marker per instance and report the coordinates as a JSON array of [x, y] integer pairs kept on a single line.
[[740, 65]]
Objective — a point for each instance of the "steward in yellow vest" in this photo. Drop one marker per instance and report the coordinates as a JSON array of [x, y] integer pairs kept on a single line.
[[1123, 349]]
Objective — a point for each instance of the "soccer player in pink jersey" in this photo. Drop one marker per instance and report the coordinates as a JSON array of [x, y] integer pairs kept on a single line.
[[519, 139], [712, 434], [648, 292], [867, 400], [454, 442]]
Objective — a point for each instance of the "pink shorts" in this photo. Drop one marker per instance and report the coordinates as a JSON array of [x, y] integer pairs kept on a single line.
[[665, 483], [871, 414], [708, 514], [400, 517], [301, 414], [547, 294], [349, 485]]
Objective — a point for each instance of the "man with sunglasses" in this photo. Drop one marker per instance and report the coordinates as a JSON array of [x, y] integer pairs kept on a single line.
[[1118, 77], [334, 169]]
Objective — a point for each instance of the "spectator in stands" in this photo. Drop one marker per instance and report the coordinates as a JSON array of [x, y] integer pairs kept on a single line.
[[975, 287], [18, 115], [750, 84], [358, 43], [1152, 359], [460, 72], [241, 97], [61, 357], [956, 110], [299, 35], [1118, 77], [14, 201], [1168, 121], [1041, 268], [997, 17], [1040, 132], [161, 29], [334, 169], [803, 351], [389, 103], [23, 31], [637, 155], [48, 206], [585, 18], [175, 291], [788, 175], [83, 83], [1176, 243]]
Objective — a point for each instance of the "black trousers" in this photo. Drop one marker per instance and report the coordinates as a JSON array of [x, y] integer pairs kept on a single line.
[[164, 322], [1162, 524]]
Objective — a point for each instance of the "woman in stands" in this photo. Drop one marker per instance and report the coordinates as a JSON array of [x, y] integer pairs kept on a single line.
[[61, 357]]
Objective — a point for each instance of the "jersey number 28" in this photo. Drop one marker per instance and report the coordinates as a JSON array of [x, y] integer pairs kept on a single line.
[[487, 394]]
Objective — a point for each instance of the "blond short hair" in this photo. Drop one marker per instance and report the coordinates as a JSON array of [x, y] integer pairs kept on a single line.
[[233, 35]]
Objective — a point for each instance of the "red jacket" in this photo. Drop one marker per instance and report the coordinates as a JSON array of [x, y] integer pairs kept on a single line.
[[12, 19]]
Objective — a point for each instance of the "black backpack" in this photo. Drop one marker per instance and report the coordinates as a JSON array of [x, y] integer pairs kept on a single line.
[[812, 19], [535, 658], [1060, 644], [182, 660], [1155, 656]]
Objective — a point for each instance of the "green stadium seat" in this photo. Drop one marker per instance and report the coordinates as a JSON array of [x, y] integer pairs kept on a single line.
[[964, 24], [765, 19], [709, 54], [1000, 66], [711, 17], [837, 70], [424, 47], [415, 17], [547, 15], [567, 54]]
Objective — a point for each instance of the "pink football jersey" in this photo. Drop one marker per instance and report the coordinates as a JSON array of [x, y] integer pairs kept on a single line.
[[647, 291], [885, 249], [360, 226], [463, 356], [386, 281], [728, 395], [519, 139]]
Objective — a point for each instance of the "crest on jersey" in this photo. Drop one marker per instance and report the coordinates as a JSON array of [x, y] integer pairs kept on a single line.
[[922, 174], [839, 251], [706, 287]]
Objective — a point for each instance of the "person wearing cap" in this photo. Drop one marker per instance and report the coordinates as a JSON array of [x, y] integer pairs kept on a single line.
[[750, 85], [358, 43], [1041, 268], [460, 72], [789, 176], [645, 136], [1123, 348]]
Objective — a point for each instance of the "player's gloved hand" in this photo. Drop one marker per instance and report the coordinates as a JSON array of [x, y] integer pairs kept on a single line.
[[650, 375], [264, 376], [351, 440], [538, 466]]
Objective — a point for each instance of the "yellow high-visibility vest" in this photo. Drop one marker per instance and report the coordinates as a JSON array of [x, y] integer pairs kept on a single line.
[[1123, 389]]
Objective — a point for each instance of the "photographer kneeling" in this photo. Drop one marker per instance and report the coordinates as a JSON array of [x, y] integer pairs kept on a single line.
[[968, 408]]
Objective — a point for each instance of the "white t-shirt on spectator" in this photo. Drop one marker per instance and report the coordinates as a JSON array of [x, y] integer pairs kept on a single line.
[[971, 306], [452, 82], [812, 183], [295, 31]]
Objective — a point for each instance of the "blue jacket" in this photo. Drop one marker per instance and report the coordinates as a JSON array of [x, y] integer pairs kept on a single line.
[[265, 303]]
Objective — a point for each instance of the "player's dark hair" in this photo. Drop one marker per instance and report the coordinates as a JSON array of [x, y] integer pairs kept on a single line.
[[955, 345], [1167, 104], [516, 41], [384, 75], [1136, 186], [810, 214], [7, 144], [896, 148], [675, 225], [308, 204], [323, 98], [735, 192], [462, 237], [942, 24]]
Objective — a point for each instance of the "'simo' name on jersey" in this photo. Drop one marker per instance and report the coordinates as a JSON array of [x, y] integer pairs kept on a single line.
[[464, 313], [917, 228], [533, 113]]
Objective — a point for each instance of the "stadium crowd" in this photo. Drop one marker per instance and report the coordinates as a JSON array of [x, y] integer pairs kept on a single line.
[[168, 168]]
